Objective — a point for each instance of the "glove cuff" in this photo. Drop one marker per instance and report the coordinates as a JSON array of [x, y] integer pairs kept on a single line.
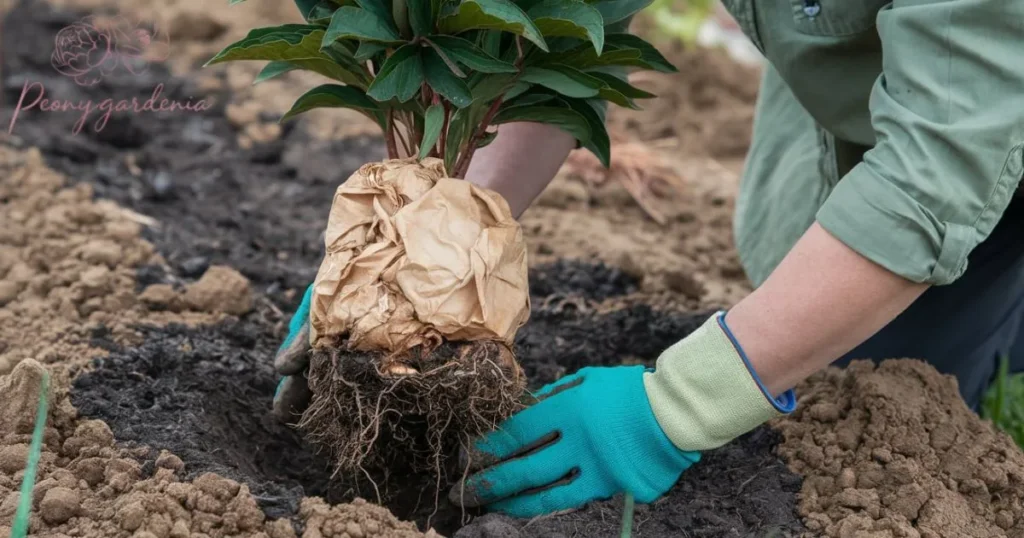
[[704, 392]]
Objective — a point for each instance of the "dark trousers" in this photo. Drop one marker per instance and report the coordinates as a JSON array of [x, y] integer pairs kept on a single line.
[[965, 328]]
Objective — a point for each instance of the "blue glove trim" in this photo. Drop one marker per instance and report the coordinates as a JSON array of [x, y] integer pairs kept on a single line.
[[300, 318], [786, 402]]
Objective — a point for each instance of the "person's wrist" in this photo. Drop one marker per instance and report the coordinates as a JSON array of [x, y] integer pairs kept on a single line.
[[704, 393], [783, 401]]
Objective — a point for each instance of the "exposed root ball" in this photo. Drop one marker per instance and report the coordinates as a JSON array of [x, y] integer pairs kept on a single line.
[[374, 412]]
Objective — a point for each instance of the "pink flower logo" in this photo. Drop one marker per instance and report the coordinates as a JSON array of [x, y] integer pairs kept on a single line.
[[93, 48]]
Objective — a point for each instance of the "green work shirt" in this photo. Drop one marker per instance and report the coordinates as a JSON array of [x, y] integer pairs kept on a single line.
[[898, 126]]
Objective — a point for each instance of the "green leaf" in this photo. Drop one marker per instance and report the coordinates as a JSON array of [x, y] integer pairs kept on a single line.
[[490, 88], [491, 43], [361, 24], [566, 119], [621, 85], [342, 54], [491, 15], [320, 12], [569, 18], [584, 57], [619, 91], [435, 9], [274, 69], [286, 42], [298, 44], [380, 8], [599, 144], [473, 57], [530, 99], [619, 49], [400, 77], [649, 56], [420, 17], [331, 96], [517, 89], [613, 11], [336, 96], [443, 81], [563, 79], [330, 68], [400, 14], [368, 50], [486, 139], [458, 132], [433, 122], [448, 61]]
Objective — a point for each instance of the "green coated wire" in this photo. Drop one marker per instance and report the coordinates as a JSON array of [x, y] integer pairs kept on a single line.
[[627, 517], [20, 528]]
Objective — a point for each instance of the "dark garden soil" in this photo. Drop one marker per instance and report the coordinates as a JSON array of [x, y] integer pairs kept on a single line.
[[204, 393], [740, 490]]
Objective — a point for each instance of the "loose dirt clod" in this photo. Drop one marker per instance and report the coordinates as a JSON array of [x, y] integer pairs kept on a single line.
[[893, 451], [59, 504], [221, 289], [358, 519]]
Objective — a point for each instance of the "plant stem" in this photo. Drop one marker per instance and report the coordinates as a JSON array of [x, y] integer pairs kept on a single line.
[[402, 138], [443, 148], [463, 163], [389, 136]]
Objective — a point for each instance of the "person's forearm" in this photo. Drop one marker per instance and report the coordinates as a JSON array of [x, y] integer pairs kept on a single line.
[[823, 300], [521, 161]]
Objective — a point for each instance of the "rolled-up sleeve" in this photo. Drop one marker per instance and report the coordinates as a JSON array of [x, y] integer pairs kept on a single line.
[[948, 117]]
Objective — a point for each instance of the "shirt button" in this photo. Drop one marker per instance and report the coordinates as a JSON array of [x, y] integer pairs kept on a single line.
[[812, 8]]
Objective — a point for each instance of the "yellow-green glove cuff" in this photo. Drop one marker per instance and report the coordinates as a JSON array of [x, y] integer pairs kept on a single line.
[[704, 392]]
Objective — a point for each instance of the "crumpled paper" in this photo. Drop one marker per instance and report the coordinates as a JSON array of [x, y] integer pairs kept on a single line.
[[414, 257]]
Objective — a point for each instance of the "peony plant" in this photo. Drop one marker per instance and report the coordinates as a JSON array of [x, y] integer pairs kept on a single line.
[[415, 307], [438, 75]]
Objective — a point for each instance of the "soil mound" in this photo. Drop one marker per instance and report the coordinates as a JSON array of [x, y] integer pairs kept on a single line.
[[67, 266], [89, 488], [893, 451]]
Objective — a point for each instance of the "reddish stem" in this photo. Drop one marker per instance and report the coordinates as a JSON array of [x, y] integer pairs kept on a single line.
[[443, 148], [389, 136], [463, 163]]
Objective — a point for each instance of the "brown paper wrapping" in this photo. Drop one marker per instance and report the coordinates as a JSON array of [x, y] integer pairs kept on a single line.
[[414, 257]]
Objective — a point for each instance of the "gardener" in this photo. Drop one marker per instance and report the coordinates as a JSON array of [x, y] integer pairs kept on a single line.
[[877, 217]]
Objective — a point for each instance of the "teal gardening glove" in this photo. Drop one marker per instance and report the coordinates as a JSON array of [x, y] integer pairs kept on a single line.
[[625, 429], [292, 395]]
